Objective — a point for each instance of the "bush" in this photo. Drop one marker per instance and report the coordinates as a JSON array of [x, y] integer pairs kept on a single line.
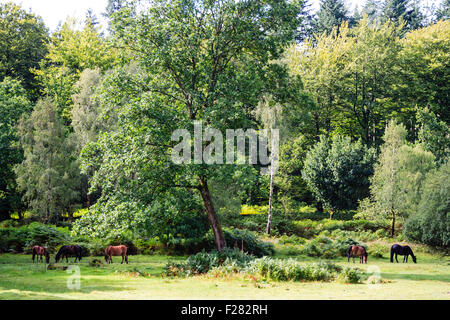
[[233, 261], [291, 240], [292, 270], [203, 262], [350, 275], [377, 250], [23, 238], [309, 228]]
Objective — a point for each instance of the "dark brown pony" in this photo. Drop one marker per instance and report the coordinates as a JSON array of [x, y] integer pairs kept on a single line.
[[40, 251], [405, 251], [357, 251], [66, 251], [116, 251]]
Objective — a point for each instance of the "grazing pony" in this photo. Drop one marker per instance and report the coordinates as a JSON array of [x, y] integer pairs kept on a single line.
[[403, 251], [66, 251], [116, 251], [40, 251], [357, 251]]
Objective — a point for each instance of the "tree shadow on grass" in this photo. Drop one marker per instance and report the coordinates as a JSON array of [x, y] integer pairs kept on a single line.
[[417, 277]]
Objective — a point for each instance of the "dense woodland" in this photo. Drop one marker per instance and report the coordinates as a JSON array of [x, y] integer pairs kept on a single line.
[[361, 100]]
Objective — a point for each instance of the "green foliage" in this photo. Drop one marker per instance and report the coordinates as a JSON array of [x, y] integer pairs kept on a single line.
[[203, 262], [191, 68], [49, 174], [309, 228], [71, 51], [378, 251], [423, 66], [233, 261], [292, 270], [332, 13], [23, 38], [434, 134], [431, 223], [23, 238], [338, 172], [399, 174], [350, 275], [13, 103]]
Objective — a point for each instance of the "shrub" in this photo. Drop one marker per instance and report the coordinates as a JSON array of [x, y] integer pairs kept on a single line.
[[203, 262], [377, 250], [291, 270], [23, 238], [309, 228], [350, 275], [291, 240]]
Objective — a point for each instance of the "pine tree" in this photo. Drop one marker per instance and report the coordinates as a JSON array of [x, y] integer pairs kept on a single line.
[[331, 14], [406, 10], [443, 12], [373, 9]]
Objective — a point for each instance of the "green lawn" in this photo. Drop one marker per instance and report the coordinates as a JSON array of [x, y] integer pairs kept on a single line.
[[20, 279]]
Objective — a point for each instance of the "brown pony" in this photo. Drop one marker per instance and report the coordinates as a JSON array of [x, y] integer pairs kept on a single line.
[[40, 251], [116, 251], [357, 251]]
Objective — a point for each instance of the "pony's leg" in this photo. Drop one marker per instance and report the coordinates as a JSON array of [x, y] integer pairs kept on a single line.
[[126, 259], [407, 258], [396, 257]]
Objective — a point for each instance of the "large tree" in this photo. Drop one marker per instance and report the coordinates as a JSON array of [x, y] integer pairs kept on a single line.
[[338, 172], [423, 69], [398, 176], [49, 173], [71, 51], [23, 39], [206, 61], [13, 103]]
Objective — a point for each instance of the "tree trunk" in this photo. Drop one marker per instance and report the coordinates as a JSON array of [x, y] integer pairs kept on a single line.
[[393, 224], [219, 237], [331, 214], [269, 216]]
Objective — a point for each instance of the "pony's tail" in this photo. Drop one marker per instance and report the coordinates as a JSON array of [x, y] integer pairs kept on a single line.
[[392, 254]]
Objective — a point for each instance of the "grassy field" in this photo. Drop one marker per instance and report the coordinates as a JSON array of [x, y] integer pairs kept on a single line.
[[20, 279]]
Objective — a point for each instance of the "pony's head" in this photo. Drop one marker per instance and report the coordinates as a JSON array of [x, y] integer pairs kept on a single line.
[[414, 258], [106, 257]]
